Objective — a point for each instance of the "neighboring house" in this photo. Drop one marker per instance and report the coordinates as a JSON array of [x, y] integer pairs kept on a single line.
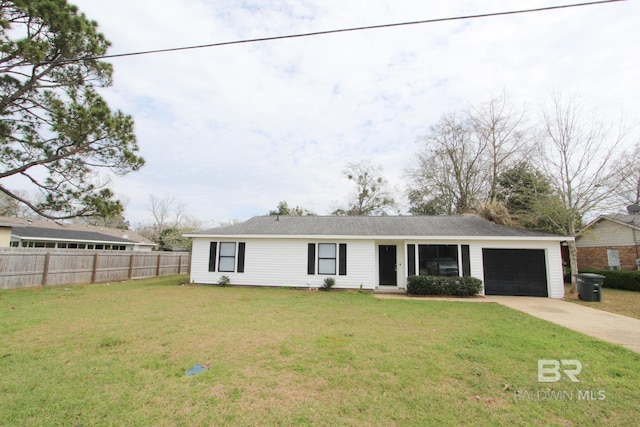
[[610, 242], [5, 234], [378, 253], [44, 234]]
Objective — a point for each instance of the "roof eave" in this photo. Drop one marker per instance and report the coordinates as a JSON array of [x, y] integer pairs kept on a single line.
[[376, 237]]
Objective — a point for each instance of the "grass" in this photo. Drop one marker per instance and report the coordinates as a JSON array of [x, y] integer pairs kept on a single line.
[[617, 301], [118, 355]]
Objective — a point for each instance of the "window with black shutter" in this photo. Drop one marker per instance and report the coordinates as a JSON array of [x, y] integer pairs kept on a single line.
[[311, 258], [241, 248], [342, 261], [212, 256], [466, 262]]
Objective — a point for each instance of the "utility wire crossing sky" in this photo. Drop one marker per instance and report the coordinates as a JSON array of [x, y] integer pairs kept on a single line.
[[232, 132], [344, 30]]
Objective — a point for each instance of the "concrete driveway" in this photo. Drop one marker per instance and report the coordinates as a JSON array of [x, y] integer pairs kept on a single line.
[[610, 327]]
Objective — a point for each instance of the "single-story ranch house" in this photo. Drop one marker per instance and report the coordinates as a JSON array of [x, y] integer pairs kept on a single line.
[[378, 253]]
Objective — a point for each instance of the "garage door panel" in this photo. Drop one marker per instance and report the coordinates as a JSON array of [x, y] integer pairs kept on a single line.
[[517, 272]]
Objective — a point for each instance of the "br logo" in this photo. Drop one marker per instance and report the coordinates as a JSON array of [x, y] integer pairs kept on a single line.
[[550, 370]]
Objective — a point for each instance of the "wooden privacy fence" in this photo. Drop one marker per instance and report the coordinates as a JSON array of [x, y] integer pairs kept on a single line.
[[21, 268]]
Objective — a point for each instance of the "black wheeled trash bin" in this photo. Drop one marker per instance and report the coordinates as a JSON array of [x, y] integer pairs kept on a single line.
[[589, 286]]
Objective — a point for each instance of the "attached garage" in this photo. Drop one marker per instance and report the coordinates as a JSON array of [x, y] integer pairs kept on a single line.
[[516, 272]]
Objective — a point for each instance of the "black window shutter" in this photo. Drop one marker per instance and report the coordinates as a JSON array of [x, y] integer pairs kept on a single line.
[[466, 263], [411, 259], [241, 246], [342, 262], [311, 259], [212, 255]]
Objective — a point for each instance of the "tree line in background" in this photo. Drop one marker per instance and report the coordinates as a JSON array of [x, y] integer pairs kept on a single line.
[[490, 160], [545, 176], [57, 133]]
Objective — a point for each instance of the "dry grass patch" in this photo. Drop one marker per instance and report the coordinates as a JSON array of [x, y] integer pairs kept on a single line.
[[617, 301]]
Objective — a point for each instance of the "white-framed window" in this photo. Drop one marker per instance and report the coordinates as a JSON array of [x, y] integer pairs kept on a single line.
[[227, 257], [227, 260], [326, 258], [613, 257], [329, 258]]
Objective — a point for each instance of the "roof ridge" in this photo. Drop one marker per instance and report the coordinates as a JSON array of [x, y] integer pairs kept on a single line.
[[401, 225]]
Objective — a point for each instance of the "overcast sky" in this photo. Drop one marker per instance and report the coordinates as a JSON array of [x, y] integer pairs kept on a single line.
[[231, 131]]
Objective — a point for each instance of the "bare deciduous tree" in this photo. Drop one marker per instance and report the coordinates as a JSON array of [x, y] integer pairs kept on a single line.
[[372, 196], [167, 213], [450, 167], [629, 175], [499, 128], [578, 152]]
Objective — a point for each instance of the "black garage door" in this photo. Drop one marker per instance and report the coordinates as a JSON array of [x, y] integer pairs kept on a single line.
[[519, 272]]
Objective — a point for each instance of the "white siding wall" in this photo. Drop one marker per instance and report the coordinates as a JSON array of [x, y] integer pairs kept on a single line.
[[475, 262], [283, 262], [607, 233], [401, 267]]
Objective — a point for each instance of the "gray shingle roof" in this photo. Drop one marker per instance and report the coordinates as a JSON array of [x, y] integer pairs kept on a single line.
[[108, 234], [441, 226], [62, 234]]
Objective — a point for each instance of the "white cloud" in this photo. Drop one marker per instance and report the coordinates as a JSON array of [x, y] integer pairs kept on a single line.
[[233, 130]]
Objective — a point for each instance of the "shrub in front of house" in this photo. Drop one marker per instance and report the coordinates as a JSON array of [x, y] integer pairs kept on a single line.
[[443, 286], [328, 283], [627, 280]]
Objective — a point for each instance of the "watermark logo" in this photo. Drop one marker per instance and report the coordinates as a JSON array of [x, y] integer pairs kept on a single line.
[[549, 370], [547, 395], [553, 371]]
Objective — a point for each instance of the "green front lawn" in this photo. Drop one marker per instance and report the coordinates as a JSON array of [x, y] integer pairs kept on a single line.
[[117, 355]]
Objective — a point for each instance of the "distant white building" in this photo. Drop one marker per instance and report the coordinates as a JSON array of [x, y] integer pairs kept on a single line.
[[22, 233]]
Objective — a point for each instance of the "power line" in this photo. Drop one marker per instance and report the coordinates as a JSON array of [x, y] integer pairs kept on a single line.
[[345, 30]]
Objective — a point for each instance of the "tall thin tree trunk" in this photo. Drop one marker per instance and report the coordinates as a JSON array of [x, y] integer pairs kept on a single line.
[[573, 260]]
